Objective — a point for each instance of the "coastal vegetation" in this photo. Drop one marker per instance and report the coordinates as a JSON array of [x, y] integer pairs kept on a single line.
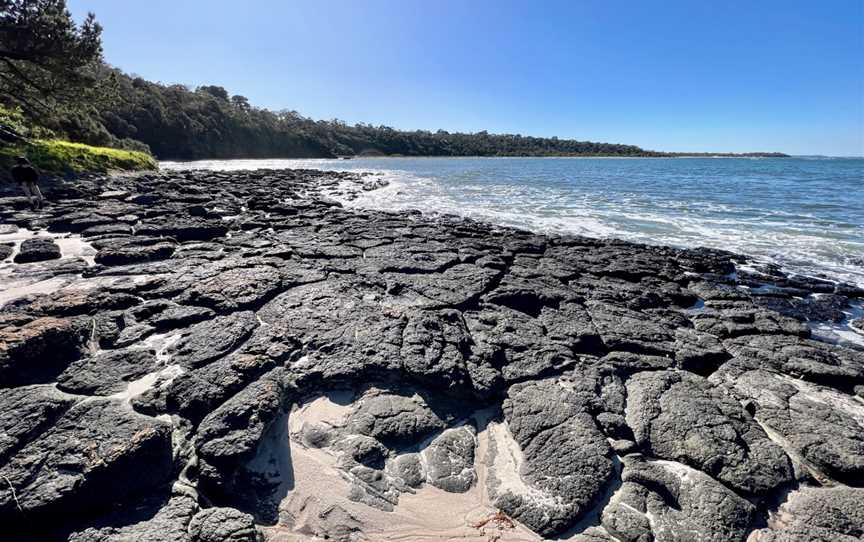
[[52, 71], [66, 157]]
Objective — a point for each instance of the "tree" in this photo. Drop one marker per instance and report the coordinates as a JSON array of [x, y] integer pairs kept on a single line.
[[240, 102], [47, 62], [215, 91]]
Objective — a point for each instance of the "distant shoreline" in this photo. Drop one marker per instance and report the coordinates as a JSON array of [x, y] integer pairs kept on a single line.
[[474, 157]]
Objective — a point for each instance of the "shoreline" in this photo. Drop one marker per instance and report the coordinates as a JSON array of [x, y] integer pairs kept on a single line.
[[220, 306], [586, 157], [556, 201]]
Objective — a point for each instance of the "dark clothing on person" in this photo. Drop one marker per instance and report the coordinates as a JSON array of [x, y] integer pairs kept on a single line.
[[25, 174], [28, 178]]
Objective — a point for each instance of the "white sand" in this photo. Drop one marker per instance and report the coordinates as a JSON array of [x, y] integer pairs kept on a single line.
[[430, 514], [19, 280]]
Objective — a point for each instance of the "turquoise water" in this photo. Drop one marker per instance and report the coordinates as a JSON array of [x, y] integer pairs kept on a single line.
[[805, 213]]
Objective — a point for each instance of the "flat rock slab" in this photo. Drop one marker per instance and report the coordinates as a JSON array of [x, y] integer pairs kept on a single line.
[[25, 413], [114, 194], [682, 417], [126, 251], [207, 341], [156, 521], [6, 250], [94, 455], [820, 427], [106, 373], [395, 420], [810, 360], [235, 289], [520, 344]]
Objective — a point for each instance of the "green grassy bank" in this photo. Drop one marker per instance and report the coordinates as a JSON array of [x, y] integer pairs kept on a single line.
[[58, 156]]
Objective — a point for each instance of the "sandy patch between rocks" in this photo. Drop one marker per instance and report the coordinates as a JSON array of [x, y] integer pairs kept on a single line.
[[316, 500]]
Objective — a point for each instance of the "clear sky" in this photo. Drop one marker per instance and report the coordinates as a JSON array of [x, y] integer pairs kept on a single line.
[[770, 75]]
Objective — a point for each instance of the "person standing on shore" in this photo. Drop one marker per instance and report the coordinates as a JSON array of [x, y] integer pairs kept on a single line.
[[28, 177]]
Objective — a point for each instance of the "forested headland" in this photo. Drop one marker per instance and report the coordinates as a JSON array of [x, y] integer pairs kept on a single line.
[[54, 81]]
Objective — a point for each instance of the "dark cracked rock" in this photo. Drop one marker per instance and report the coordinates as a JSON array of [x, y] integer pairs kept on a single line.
[[126, 251], [449, 459], [682, 417], [194, 394], [37, 249], [435, 348], [36, 350], [664, 500], [6, 250], [829, 514], [620, 391], [118, 229], [234, 289], [229, 435], [343, 329], [820, 427], [516, 344], [633, 331], [811, 360], [819, 308], [456, 286], [209, 340], [107, 372], [566, 458], [223, 525], [411, 257], [75, 302], [396, 420], [409, 469], [184, 229], [734, 319], [164, 315], [361, 450], [700, 353], [25, 413], [152, 520], [92, 456]]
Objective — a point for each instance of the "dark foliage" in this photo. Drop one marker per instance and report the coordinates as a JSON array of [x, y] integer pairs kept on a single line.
[[178, 122], [46, 60]]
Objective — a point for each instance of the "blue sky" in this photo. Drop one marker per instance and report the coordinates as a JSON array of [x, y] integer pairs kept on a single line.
[[688, 76]]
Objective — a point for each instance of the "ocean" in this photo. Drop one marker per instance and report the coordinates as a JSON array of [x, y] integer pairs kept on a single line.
[[806, 214]]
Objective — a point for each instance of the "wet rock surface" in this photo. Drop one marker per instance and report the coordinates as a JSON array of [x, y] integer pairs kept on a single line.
[[236, 356]]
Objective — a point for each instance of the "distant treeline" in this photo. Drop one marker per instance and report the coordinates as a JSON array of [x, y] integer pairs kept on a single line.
[[176, 122], [54, 83]]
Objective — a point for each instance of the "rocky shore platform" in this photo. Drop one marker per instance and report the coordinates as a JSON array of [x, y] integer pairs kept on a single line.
[[204, 356]]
